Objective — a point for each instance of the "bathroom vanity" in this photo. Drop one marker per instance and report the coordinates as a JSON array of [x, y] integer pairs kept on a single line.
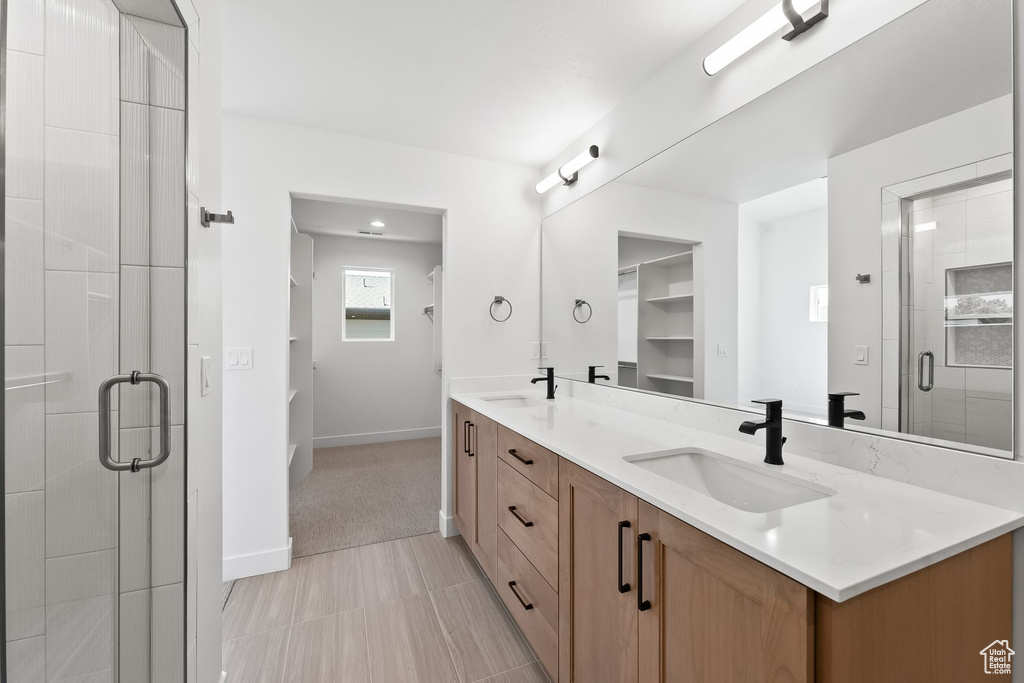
[[624, 559]]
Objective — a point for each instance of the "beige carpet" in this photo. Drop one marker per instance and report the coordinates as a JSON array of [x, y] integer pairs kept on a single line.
[[357, 495]]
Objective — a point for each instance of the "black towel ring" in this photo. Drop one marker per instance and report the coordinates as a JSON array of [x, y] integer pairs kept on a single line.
[[499, 300], [580, 303]]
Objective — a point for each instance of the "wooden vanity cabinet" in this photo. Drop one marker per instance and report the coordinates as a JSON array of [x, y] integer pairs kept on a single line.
[[476, 484]]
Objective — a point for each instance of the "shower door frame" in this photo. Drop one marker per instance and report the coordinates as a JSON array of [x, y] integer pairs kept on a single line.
[[898, 290]]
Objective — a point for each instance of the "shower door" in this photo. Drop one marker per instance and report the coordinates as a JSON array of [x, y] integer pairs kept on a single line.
[[958, 343], [94, 332]]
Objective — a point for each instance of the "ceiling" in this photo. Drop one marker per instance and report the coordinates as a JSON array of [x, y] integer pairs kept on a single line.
[[941, 58], [342, 218], [511, 81], [788, 202]]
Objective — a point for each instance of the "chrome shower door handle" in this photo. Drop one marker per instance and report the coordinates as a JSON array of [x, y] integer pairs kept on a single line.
[[920, 370], [136, 464]]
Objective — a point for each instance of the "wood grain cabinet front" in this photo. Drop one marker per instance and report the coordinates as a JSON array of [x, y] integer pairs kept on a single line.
[[476, 484], [534, 462], [530, 519]]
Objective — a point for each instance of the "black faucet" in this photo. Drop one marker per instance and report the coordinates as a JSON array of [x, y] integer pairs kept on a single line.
[[774, 438], [550, 379], [592, 375], [837, 412]]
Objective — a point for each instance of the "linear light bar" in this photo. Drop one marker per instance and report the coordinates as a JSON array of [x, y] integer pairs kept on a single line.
[[772, 22], [568, 173]]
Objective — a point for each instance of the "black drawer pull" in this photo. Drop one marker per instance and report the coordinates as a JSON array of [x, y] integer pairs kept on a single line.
[[641, 604], [526, 605], [518, 457], [465, 436], [512, 509], [469, 445], [623, 587]]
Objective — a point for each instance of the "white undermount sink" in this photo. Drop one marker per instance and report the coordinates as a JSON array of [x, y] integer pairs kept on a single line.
[[737, 483], [517, 401]]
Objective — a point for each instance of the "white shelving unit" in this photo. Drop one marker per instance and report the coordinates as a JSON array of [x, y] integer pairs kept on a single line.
[[435, 310], [670, 324], [300, 366]]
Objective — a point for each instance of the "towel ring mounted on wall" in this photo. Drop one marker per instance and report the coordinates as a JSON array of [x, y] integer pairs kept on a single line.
[[498, 301], [577, 312]]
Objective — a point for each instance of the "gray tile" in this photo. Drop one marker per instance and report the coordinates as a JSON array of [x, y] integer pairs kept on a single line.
[[192, 569], [258, 658], [260, 603], [23, 279], [168, 512], [80, 637], [192, 145], [82, 65], [134, 64], [81, 496], [193, 265], [167, 187], [405, 642], [135, 402], [168, 629], [531, 673], [167, 332], [25, 411], [77, 577], [135, 636], [389, 571], [134, 511], [26, 660], [329, 649], [154, 10], [25, 32], [444, 561], [166, 45], [82, 172], [24, 139], [194, 434], [135, 184], [327, 584], [81, 337], [25, 553]]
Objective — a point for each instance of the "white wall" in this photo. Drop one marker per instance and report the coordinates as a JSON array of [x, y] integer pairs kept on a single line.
[[491, 248], [748, 309], [791, 351], [855, 187], [681, 99], [580, 261], [379, 390]]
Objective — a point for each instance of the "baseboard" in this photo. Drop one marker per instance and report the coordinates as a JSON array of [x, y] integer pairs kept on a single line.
[[376, 437], [446, 525], [241, 566]]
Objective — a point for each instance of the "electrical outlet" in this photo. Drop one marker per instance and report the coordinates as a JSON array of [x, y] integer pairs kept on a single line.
[[722, 351], [544, 350], [534, 350]]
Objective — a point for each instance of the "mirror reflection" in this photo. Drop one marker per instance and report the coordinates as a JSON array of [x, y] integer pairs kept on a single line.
[[843, 243]]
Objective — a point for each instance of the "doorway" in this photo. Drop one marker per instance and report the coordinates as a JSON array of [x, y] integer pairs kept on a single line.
[[367, 334]]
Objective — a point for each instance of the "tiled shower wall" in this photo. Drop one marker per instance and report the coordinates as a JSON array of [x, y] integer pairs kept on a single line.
[[967, 404], [95, 285]]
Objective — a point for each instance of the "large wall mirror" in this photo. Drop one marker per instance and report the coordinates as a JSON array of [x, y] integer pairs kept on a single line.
[[849, 232]]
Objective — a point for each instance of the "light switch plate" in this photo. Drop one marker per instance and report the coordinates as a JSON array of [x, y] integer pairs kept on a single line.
[[204, 376], [534, 350], [543, 349], [860, 355], [722, 351], [239, 358]]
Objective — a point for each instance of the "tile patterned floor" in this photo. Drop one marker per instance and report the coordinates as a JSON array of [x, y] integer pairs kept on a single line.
[[415, 610]]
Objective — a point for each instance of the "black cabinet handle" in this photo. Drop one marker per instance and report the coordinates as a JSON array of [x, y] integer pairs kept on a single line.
[[512, 509], [641, 604], [623, 587], [469, 445], [526, 605], [465, 436], [518, 457]]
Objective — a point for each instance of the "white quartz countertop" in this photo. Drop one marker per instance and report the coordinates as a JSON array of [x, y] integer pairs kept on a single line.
[[872, 531]]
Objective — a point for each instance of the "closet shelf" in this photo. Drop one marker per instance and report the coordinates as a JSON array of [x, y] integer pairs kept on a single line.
[[670, 299], [291, 452], [674, 260], [672, 378], [670, 339]]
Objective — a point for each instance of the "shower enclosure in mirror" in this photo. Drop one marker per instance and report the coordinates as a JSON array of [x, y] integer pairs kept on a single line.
[[94, 237], [850, 231]]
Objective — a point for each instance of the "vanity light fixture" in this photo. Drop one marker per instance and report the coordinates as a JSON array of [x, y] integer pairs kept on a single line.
[[569, 172], [786, 13], [377, 224]]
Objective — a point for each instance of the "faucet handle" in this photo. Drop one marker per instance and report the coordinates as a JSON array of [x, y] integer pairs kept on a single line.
[[842, 394], [770, 402]]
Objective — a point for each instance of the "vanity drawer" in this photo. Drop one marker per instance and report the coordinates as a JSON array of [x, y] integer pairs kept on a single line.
[[539, 623], [536, 463], [530, 518]]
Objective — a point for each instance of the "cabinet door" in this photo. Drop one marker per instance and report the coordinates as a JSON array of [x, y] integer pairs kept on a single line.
[[484, 446], [597, 614], [716, 614], [465, 474]]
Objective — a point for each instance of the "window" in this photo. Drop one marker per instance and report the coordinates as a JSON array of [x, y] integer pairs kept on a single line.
[[819, 304], [369, 296]]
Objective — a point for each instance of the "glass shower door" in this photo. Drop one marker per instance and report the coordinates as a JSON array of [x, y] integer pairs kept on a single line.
[[94, 242], [960, 346]]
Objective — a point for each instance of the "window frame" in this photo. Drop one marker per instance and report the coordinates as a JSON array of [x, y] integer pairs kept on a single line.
[[344, 306]]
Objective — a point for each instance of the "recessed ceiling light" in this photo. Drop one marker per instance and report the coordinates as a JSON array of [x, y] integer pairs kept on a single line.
[[377, 224]]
